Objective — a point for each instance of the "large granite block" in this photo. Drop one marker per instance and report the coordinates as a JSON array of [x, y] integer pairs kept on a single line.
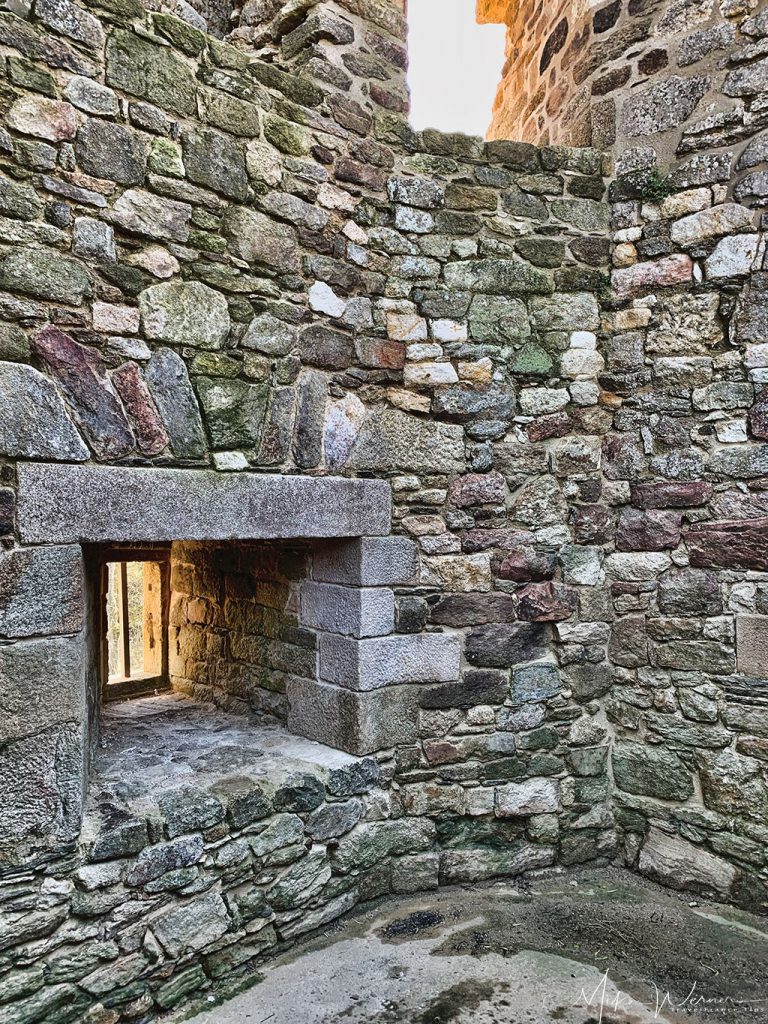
[[42, 683], [353, 611], [368, 562], [104, 503], [359, 723], [390, 660], [41, 591]]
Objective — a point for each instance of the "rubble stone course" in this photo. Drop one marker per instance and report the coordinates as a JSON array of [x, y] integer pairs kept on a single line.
[[246, 309]]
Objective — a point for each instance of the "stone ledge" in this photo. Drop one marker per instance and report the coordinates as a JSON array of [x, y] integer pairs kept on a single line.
[[351, 611], [359, 723], [368, 562], [62, 503], [389, 660]]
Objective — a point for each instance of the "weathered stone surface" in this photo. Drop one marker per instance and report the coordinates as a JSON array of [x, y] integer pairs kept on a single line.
[[502, 645], [644, 277], [674, 861], [169, 385], [498, 277], [647, 531], [42, 783], [42, 684], [360, 723], [690, 592], [391, 439], [107, 150], [730, 544], [234, 411], [476, 687], [256, 238], [72, 21], [496, 318], [35, 424], [155, 861], [44, 273], [651, 771], [134, 393], [185, 313], [334, 820], [388, 660], [535, 796], [711, 223], [42, 591], [477, 489], [151, 216], [671, 495], [663, 106], [536, 682], [155, 73], [191, 926], [44, 118], [546, 602], [472, 609], [752, 644], [84, 381], [325, 348], [358, 612], [98, 503], [367, 562], [216, 161]]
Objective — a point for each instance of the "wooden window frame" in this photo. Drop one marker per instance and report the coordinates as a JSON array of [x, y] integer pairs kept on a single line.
[[146, 685]]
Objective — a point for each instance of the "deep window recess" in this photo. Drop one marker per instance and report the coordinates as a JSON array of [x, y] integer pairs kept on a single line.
[[134, 622]]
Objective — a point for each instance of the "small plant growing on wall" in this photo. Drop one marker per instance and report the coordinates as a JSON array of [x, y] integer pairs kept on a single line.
[[655, 187]]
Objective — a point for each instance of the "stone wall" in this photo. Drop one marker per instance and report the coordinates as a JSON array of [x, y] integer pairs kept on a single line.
[[216, 259], [677, 79], [235, 634]]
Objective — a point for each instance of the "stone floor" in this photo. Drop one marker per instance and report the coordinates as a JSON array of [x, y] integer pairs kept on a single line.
[[584, 947], [150, 746], [161, 741]]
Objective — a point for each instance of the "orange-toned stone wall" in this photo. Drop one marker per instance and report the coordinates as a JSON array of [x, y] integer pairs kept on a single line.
[[537, 100]]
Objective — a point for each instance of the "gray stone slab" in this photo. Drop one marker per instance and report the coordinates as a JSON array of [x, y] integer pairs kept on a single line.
[[752, 645], [101, 503], [389, 660], [353, 611], [41, 591], [368, 562], [41, 781], [42, 683], [359, 723]]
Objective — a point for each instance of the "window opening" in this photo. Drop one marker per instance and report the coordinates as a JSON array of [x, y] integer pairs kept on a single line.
[[455, 66], [134, 623]]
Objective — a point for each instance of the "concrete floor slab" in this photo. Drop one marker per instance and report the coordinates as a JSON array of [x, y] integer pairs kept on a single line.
[[584, 947]]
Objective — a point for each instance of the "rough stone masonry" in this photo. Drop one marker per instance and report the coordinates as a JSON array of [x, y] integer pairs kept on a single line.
[[226, 259]]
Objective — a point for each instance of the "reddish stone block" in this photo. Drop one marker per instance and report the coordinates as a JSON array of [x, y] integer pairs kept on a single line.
[[648, 531], [592, 524], [380, 353], [82, 377], [758, 416], [150, 432], [485, 539], [671, 495], [526, 565], [557, 425], [546, 602], [730, 544], [478, 489], [644, 277]]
